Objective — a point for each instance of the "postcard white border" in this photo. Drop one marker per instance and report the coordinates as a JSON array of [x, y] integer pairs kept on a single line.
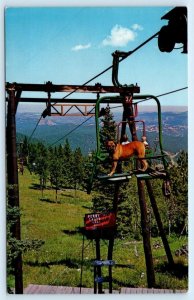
[[190, 5]]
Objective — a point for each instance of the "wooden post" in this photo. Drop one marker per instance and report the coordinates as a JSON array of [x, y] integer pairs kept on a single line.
[[159, 223], [129, 115], [12, 178], [146, 235]]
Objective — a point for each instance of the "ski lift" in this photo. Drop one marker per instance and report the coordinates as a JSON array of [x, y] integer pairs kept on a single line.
[[130, 112], [101, 154]]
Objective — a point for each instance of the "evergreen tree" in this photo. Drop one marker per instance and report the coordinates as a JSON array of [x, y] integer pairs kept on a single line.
[[42, 164], [128, 215], [108, 130], [77, 168], [162, 204], [56, 169], [67, 165], [179, 187], [15, 247], [32, 156], [25, 150], [104, 200]]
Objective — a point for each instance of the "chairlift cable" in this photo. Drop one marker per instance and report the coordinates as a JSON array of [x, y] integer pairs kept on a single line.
[[161, 95], [71, 131], [174, 91], [35, 128], [104, 71], [110, 67], [165, 94]]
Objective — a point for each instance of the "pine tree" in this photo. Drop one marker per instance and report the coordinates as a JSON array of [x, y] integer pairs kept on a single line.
[[32, 156], [108, 130], [25, 150], [128, 214], [77, 168], [67, 165], [56, 170], [42, 164], [15, 247], [103, 201], [179, 187]]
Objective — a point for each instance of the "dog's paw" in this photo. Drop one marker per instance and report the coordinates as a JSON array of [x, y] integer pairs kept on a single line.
[[110, 174], [141, 170]]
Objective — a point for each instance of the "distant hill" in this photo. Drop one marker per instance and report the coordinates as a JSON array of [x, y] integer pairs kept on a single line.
[[51, 129], [170, 118]]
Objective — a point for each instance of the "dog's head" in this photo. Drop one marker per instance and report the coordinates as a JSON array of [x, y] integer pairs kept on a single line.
[[110, 146]]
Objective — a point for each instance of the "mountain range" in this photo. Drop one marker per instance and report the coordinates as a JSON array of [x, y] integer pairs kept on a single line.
[[55, 130]]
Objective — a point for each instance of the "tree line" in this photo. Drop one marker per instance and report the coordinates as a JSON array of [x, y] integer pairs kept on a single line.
[[58, 167]]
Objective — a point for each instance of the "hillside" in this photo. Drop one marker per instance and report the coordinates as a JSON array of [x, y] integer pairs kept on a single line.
[[59, 261]]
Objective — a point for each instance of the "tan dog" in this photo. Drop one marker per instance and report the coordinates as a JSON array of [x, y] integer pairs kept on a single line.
[[119, 152]]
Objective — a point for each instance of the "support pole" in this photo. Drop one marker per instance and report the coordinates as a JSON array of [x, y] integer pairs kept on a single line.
[[146, 235], [12, 179], [128, 108], [110, 251], [159, 223], [82, 259], [99, 273]]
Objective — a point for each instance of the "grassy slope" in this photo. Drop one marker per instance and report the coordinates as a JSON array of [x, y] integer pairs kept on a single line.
[[48, 220], [58, 262]]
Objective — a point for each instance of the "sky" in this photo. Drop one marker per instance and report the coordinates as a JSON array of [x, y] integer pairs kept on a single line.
[[70, 45]]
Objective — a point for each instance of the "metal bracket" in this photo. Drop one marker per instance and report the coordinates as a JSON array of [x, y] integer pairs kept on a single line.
[[117, 57]]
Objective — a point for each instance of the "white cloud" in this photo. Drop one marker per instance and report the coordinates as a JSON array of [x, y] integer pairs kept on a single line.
[[81, 47], [120, 36], [136, 27]]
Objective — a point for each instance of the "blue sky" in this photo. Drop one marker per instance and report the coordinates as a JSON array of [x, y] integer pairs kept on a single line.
[[70, 45]]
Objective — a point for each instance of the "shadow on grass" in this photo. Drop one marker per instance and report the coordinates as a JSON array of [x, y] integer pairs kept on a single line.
[[78, 230], [178, 270], [70, 232], [35, 186], [87, 207], [72, 264], [67, 195], [48, 200]]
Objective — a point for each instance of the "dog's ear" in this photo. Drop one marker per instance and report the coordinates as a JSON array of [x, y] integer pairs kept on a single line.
[[106, 143]]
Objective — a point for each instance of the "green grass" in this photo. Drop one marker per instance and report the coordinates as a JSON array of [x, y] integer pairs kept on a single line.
[[58, 261]]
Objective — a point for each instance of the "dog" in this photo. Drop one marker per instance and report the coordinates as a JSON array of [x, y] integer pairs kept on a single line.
[[119, 152]]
